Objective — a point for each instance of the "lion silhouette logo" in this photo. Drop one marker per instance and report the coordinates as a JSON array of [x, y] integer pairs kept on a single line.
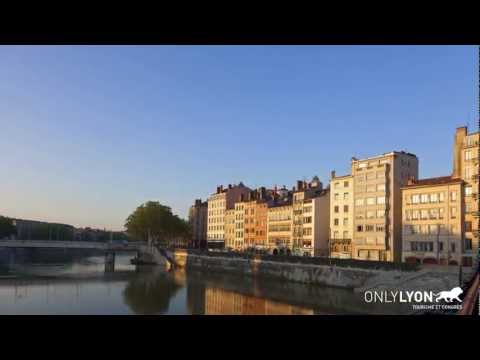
[[448, 296]]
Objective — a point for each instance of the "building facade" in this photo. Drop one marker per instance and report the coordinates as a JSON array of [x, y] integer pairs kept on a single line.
[[341, 216], [433, 218], [197, 218], [230, 229], [378, 204], [280, 226], [218, 203], [466, 153]]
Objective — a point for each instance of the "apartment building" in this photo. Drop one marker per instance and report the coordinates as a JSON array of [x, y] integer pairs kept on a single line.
[[218, 203], [230, 229], [466, 153], [341, 216], [378, 204], [280, 225], [433, 217], [311, 218], [197, 218], [239, 236]]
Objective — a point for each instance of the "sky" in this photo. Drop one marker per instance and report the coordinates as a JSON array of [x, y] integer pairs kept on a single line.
[[88, 133]]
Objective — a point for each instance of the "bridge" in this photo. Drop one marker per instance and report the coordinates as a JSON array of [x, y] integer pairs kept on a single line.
[[109, 248], [154, 252], [53, 244]]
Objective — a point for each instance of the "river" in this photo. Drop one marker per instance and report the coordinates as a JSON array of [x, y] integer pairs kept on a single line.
[[81, 287]]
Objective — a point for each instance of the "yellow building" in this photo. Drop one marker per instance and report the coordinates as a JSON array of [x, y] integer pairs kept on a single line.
[[466, 166], [280, 225], [230, 228], [218, 203], [341, 216], [433, 216], [378, 204], [239, 236], [311, 218]]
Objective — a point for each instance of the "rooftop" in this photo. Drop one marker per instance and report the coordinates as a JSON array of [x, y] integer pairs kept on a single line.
[[441, 180]]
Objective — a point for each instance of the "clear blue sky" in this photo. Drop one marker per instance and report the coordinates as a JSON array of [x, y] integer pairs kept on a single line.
[[89, 133]]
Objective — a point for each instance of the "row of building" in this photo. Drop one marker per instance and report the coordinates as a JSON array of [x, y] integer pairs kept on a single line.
[[380, 211]]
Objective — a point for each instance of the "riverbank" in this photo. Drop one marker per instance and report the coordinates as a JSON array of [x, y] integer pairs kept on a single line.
[[355, 275]]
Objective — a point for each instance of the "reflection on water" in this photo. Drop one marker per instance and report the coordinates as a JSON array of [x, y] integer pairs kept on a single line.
[[83, 287]]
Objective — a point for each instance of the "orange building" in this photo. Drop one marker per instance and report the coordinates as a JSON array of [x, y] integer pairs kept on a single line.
[[261, 219]]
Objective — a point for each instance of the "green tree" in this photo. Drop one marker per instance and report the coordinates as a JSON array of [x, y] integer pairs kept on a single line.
[[158, 220], [6, 227]]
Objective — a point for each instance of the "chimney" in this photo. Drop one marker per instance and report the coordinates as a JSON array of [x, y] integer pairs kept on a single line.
[[198, 202], [299, 185], [411, 180], [221, 188], [263, 193], [332, 174], [218, 189], [460, 135], [229, 186]]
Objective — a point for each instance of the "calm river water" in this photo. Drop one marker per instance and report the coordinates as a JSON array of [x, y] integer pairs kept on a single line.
[[82, 287]]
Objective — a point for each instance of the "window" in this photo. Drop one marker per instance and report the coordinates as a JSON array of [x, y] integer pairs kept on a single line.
[[467, 244], [408, 214], [345, 234], [307, 220], [370, 176], [468, 190], [370, 214], [381, 200], [371, 188], [415, 199], [453, 196], [440, 246], [433, 214], [335, 234], [345, 196], [308, 231], [453, 247], [468, 226], [359, 202], [415, 215], [371, 201], [335, 222], [440, 213], [381, 187], [380, 214], [468, 155], [433, 198], [359, 228], [335, 209], [345, 208], [424, 198], [380, 228], [424, 214], [433, 229], [345, 184], [369, 227], [362, 165], [337, 184], [453, 212], [335, 197], [360, 216]]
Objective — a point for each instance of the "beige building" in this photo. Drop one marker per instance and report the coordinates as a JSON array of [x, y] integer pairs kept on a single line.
[[239, 236], [378, 204], [280, 225], [433, 216], [466, 153], [341, 216], [311, 218], [230, 228], [218, 203]]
